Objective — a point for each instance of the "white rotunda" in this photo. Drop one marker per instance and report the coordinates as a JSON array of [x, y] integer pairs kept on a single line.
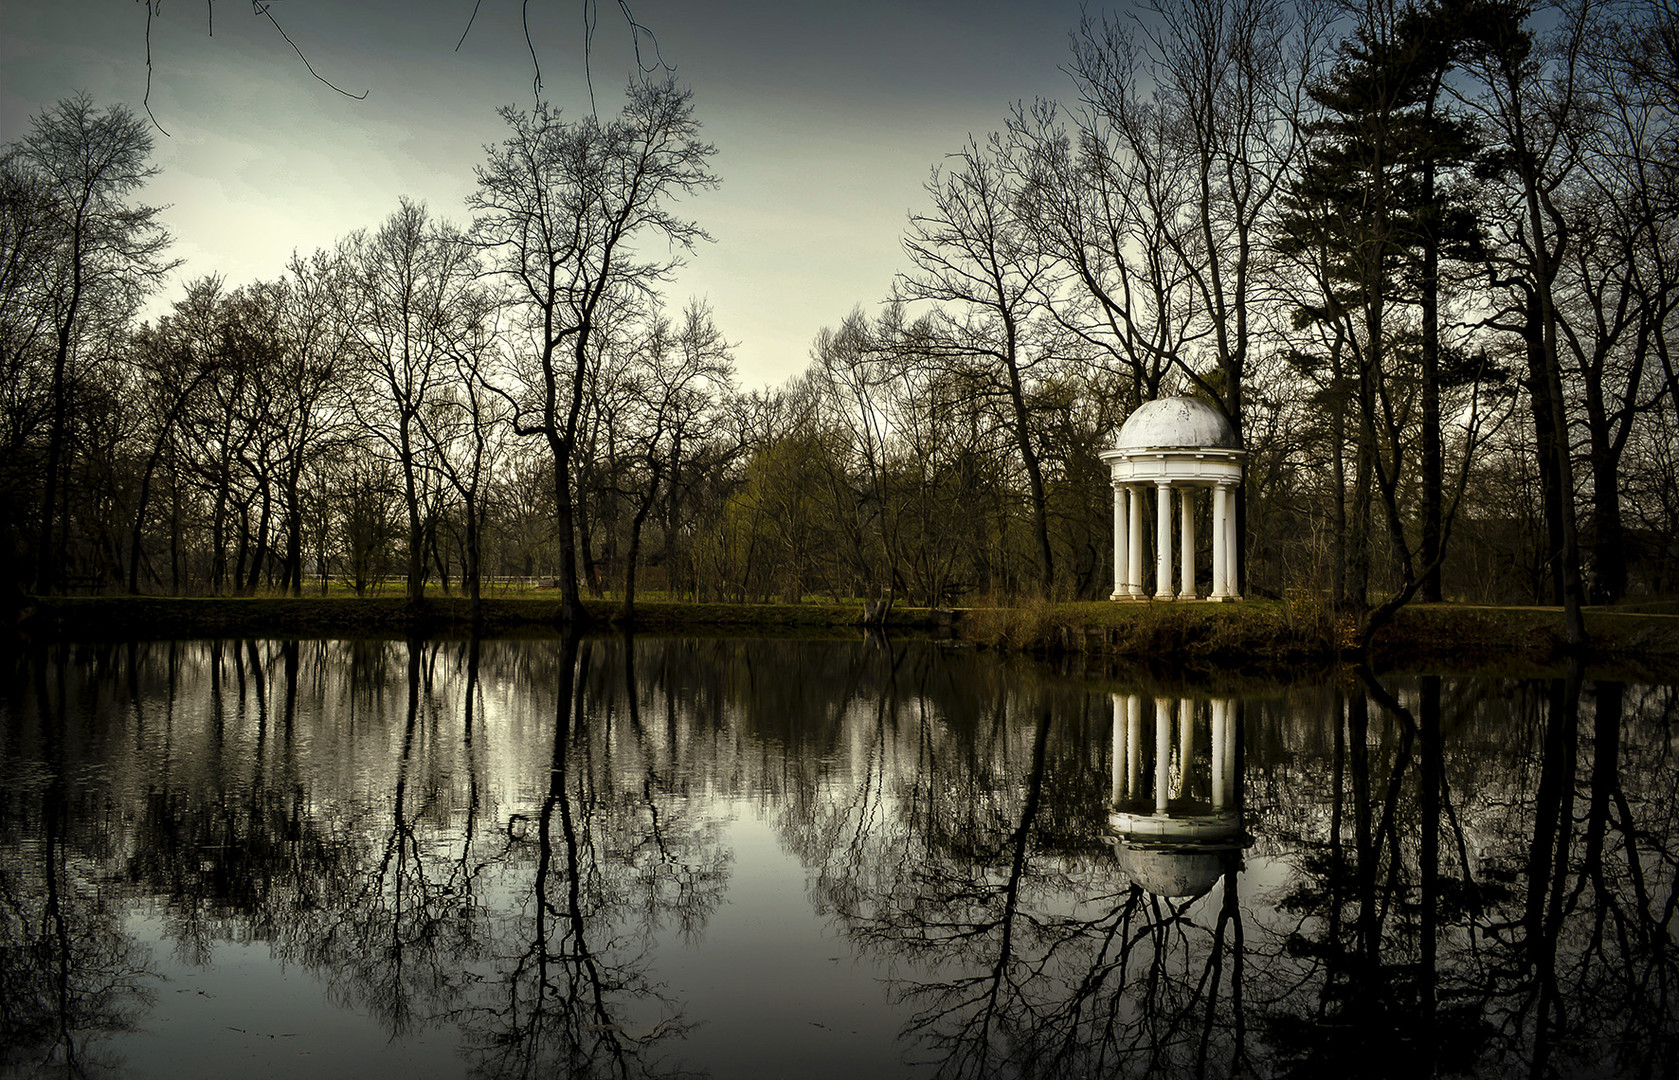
[[1182, 446]]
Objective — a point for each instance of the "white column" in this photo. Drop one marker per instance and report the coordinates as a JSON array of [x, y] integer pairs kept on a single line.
[[1134, 742], [1221, 569], [1232, 549], [1186, 554], [1122, 556], [1121, 751], [1221, 726], [1229, 747], [1186, 744], [1134, 575], [1162, 751], [1163, 540]]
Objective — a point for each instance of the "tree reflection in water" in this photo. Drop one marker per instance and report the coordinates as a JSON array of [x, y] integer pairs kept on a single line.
[[1063, 966], [510, 840], [349, 838], [611, 865], [68, 974], [1435, 897]]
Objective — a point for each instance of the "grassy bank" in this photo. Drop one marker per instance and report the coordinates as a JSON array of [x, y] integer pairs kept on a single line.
[[148, 616], [1250, 636], [1202, 636], [1268, 635], [1641, 642]]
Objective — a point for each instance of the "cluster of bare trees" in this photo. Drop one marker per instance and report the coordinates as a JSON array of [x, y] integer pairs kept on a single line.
[[1421, 255], [366, 414]]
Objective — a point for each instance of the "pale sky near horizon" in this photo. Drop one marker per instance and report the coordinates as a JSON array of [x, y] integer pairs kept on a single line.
[[827, 119]]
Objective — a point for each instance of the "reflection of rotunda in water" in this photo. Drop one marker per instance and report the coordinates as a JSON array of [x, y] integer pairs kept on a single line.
[[1175, 823]]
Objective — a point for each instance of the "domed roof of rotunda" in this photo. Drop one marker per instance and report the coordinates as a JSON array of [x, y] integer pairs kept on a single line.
[[1175, 873], [1175, 423]]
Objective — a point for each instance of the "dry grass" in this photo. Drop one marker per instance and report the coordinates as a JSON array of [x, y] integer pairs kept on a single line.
[[1192, 634]]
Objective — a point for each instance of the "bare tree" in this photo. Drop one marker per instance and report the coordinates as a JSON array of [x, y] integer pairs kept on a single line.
[[850, 379], [465, 426], [27, 245], [407, 301], [85, 164], [1618, 281], [977, 260], [1184, 139], [228, 340], [559, 208], [685, 369], [315, 343], [1532, 104]]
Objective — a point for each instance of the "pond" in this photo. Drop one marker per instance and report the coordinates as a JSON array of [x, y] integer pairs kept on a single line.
[[758, 858]]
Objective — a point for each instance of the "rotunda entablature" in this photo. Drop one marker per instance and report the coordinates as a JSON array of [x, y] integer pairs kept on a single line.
[[1198, 465]]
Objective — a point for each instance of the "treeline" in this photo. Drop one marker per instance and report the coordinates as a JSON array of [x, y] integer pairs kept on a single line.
[[1422, 256]]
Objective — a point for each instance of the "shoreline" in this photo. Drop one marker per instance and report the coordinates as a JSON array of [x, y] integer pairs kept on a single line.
[[1253, 637]]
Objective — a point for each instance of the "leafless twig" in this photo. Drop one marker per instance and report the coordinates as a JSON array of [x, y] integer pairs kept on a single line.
[[260, 7], [147, 100], [263, 8]]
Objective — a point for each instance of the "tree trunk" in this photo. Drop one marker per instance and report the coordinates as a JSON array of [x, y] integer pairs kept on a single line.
[[175, 538], [1433, 554], [1338, 470], [218, 532], [1609, 555], [1358, 533], [259, 556], [49, 556], [136, 537], [1034, 473], [1608, 542], [244, 511], [293, 574], [437, 548], [572, 611], [586, 548], [1544, 271], [1433, 478], [643, 506], [471, 575], [1549, 588], [415, 585]]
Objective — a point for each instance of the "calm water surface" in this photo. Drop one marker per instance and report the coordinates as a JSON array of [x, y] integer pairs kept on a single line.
[[820, 859]]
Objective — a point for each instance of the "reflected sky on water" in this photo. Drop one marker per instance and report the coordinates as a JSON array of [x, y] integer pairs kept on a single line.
[[820, 858]]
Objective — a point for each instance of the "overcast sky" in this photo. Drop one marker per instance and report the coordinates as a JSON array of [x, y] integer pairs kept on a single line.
[[826, 116]]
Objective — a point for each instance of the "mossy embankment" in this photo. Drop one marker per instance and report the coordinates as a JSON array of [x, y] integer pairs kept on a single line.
[[1272, 636], [1252, 636], [1634, 641]]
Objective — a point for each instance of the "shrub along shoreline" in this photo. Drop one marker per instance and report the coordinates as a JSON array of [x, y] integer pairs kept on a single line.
[[1252, 636]]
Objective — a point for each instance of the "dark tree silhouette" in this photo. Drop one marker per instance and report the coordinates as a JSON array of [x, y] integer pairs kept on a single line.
[[559, 209]]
